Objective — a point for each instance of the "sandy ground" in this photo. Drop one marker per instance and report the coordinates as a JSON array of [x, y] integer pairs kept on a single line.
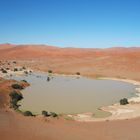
[[16, 127]]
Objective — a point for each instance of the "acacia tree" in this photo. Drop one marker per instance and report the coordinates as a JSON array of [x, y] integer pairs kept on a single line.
[[124, 101]]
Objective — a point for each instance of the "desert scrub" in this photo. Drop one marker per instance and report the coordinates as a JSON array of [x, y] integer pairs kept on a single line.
[[17, 86], [15, 97], [48, 79], [3, 70], [45, 113], [124, 101], [78, 73], [24, 81], [26, 72], [53, 114], [24, 67], [28, 113], [15, 69], [50, 71]]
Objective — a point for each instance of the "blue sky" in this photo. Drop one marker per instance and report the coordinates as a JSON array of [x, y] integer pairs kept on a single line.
[[71, 23]]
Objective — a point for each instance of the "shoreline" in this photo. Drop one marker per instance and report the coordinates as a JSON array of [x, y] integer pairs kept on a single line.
[[118, 112]]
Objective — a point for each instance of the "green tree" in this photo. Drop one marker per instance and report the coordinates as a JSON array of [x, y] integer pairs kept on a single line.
[[45, 113], [124, 101], [17, 86], [28, 113]]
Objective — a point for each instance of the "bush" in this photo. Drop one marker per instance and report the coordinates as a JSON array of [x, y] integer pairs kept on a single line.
[[13, 104], [24, 81], [3, 70], [15, 69], [45, 114], [48, 79], [49, 71], [124, 101], [15, 97], [28, 113], [17, 86], [78, 73], [53, 114], [23, 68], [26, 72], [30, 71]]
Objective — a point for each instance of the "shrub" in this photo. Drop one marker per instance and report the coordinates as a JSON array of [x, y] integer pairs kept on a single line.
[[15, 69], [13, 104], [4, 71], [53, 114], [17, 86], [78, 73], [26, 72], [24, 81], [49, 71], [28, 113], [15, 97], [30, 71], [45, 114], [124, 101], [23, 68], [48, 79]]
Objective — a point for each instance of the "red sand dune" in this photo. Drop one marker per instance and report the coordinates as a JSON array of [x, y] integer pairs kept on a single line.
[[117, 62]]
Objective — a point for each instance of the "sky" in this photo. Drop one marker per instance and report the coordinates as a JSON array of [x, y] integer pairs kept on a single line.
[[71, 23]]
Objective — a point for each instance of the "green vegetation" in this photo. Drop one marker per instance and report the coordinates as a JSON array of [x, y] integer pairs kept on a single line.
[[26, 72], [15, 69], [15, 97], [48, 79], [53, 114], [23, 68], [3, 70], [28, 113], [24, 81], [77, 73], [14, 62], [124, 101], [50, 71], [17, 86], [45, 113]]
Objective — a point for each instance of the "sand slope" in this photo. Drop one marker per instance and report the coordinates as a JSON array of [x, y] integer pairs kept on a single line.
[[115, 62], [16, 127]]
